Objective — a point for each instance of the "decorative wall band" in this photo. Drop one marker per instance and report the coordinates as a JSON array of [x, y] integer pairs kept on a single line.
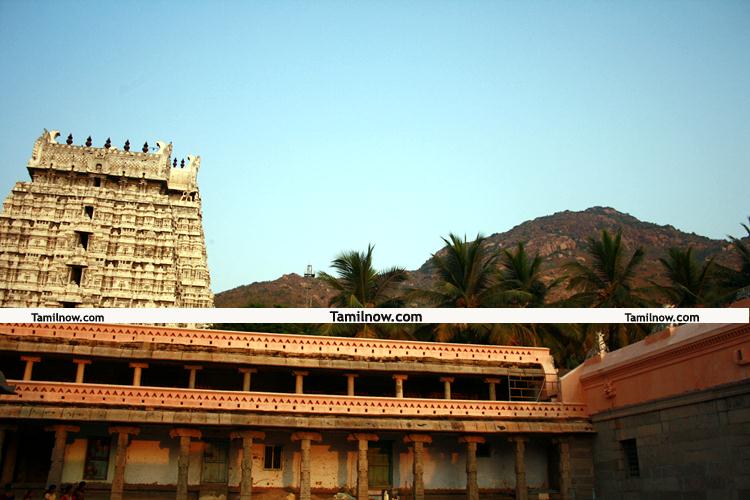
[[190, 399], [287, 344]]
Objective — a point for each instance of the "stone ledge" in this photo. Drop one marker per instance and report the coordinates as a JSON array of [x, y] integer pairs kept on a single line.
[[288, 345], [11, 411], [35, 392], [246, 357]]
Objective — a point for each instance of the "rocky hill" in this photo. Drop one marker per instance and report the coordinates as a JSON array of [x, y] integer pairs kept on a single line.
[[563, 237], [291, 290], [558, 238]]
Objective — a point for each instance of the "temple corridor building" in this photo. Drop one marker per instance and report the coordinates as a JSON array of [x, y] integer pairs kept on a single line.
[[150, 412], [143, 412], [104, 227]]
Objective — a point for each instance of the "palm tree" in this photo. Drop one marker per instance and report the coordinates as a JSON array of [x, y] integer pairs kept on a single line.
[[741, 278], [521, 285], [466, 278], [609, 282], [466, 274], [520, 279], [359, 285], [690, 283]]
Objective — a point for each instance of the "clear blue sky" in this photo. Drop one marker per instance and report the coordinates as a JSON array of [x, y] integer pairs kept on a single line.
[[324, 126]]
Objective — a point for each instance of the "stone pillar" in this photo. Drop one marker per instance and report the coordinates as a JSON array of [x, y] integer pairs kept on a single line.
[[246, 467], [183, 460], [246, 374], [418, 441], [9, 462], [491, 382], [400, 384], [2, 442], [5, 431], [363, 485], [58, 451], [299, 381], [137, 368], [80, 368], [193, 372], [563, 445], [522, 492], [304, 477], [121, 459], [447, 381], [350, 383], [30, 360], [472, 486]]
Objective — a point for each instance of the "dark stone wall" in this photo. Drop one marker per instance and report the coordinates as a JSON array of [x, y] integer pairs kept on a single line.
[[694, 446], [582, 467]]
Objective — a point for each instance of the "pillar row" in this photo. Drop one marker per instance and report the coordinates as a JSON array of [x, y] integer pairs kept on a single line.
[[305, 438], [80, 369], [193, 369], [2, 443], [522, 492], [7, 432], [417, 441], [299, 381], [58, 451], [350, 383], [447, 381], [137, 371], [400, 384], [183, 460], [11, 455], [246, 467], [29, 368], [492, 382], [363, 470], [121, 457], [472, 486], [246, 377]]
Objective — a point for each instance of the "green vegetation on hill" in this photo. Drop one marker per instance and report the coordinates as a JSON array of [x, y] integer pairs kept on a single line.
[[602, 270]]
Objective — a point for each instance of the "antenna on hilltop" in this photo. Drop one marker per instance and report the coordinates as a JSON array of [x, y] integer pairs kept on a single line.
[[309, 275]]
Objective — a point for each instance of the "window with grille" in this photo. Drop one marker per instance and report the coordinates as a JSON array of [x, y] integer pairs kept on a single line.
[[272, 457], [630, 448]]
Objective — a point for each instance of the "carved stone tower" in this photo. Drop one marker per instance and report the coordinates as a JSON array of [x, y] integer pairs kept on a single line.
[[103, 227]]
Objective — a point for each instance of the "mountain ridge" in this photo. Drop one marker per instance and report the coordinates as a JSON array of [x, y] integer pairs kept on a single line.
[[558, 238]]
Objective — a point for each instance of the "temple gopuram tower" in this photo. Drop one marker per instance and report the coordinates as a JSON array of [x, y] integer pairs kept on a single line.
[[104, 227]]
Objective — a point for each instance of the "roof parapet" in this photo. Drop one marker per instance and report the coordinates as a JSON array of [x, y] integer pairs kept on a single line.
[[185, 178], [47, 153]]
